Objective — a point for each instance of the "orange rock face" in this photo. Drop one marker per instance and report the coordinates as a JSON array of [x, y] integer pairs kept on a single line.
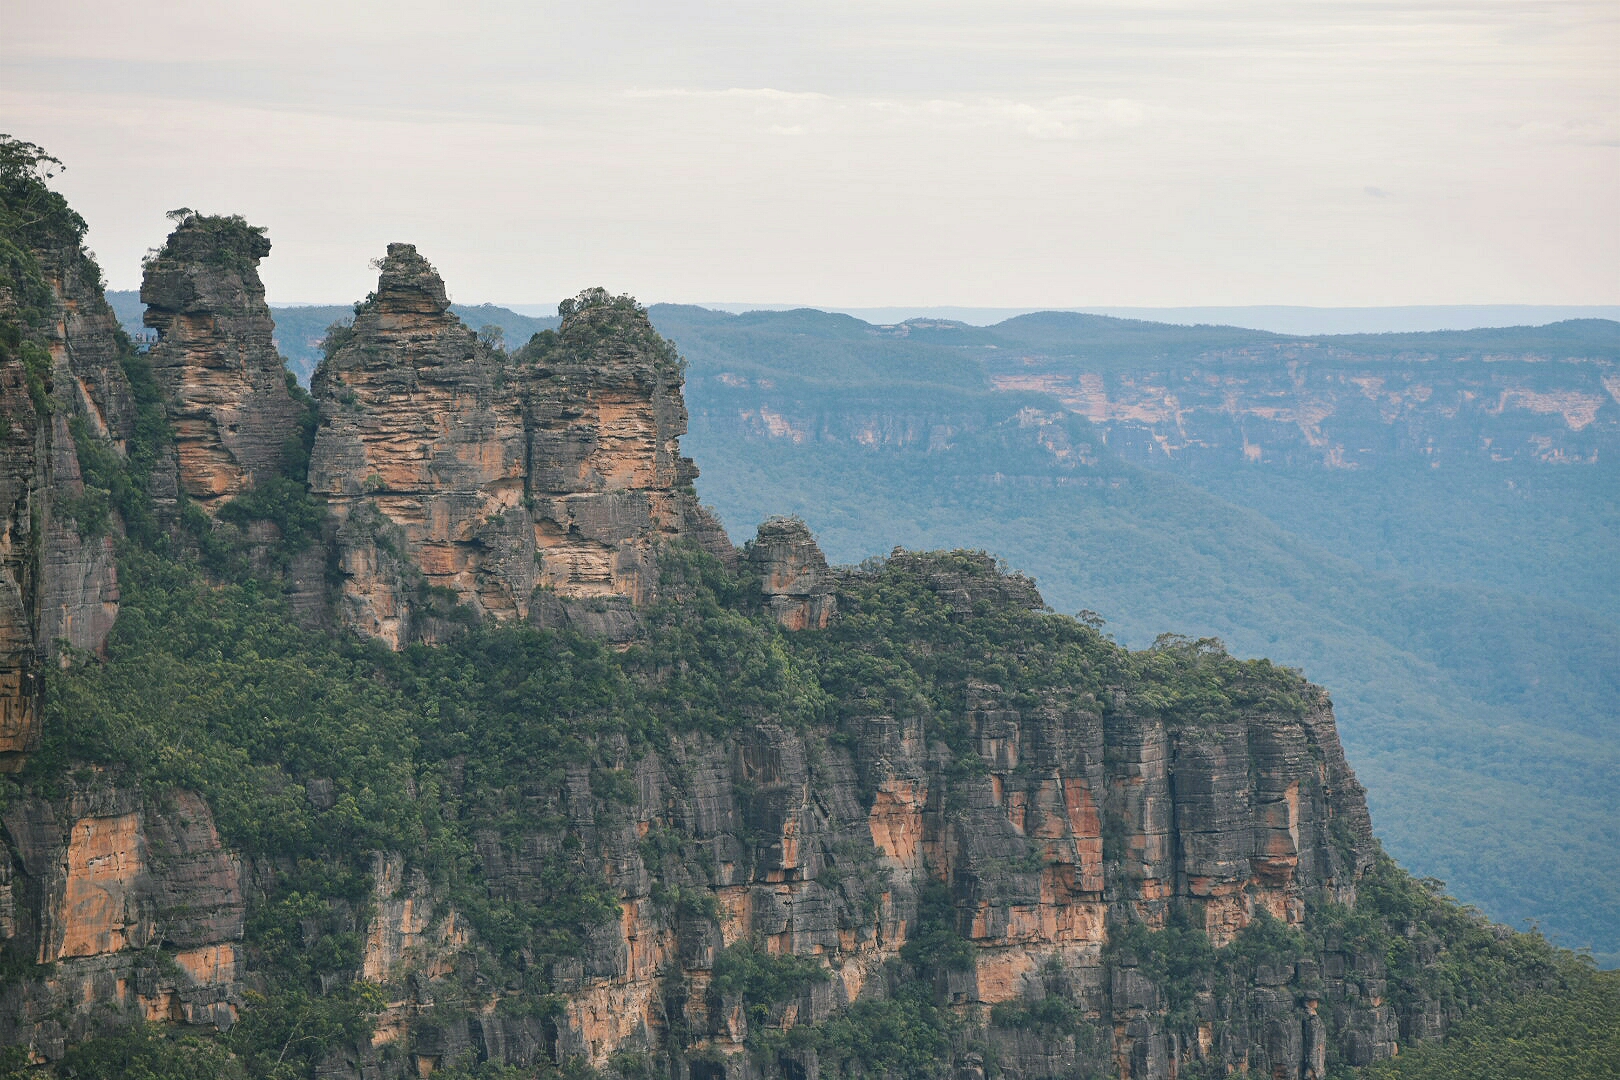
[[794, 576], [104, 861], [110, 889]]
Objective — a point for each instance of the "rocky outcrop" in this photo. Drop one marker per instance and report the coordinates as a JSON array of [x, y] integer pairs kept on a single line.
[[794, 576], [536, 486], [133, 904], [228, 398], [605, 415]]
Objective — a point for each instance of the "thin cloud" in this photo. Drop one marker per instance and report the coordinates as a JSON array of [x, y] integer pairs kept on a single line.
[[1063, 117]]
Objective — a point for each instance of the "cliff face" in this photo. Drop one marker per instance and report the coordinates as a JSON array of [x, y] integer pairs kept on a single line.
[[228, 399], [19, 568], [1077, 823], [58, 581], [133, 904], [1193, 396], [1314, 404], [78, 577], [959, 798], [534, 486]]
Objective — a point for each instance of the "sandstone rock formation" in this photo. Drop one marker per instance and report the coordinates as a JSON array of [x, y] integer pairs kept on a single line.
[[794, 576], [229, 403], [135, 906], [532, 486]]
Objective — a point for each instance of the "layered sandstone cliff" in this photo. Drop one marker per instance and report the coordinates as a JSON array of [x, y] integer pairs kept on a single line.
[[65, 383], [1044, 818], [536, 486], [1080, 822], [228, 400], [129, 904]]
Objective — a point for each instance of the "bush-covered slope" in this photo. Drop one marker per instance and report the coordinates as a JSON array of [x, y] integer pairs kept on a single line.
[[438, 752]]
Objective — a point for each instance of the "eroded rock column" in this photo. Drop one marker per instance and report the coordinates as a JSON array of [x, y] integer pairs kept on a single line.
[[232, 411]]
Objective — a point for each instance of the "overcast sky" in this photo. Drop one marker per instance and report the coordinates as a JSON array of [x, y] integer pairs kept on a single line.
[[1005, 153]]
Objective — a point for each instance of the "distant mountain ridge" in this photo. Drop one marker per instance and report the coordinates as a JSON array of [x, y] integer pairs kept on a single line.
[[1276, 318], [301, 326]]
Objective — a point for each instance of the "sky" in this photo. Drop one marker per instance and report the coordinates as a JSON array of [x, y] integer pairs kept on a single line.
[[873, 153]]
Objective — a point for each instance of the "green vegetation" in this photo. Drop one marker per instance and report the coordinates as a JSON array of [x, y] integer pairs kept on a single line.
[[35, 222], [596, 318], [905, 1036], [147, 1052], [1574, 1035], [226, 241], [936, 946], [1438, 950], [762, 980], [32, 216]]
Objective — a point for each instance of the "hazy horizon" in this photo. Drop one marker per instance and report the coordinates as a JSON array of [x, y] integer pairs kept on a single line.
[[1276, 318]]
